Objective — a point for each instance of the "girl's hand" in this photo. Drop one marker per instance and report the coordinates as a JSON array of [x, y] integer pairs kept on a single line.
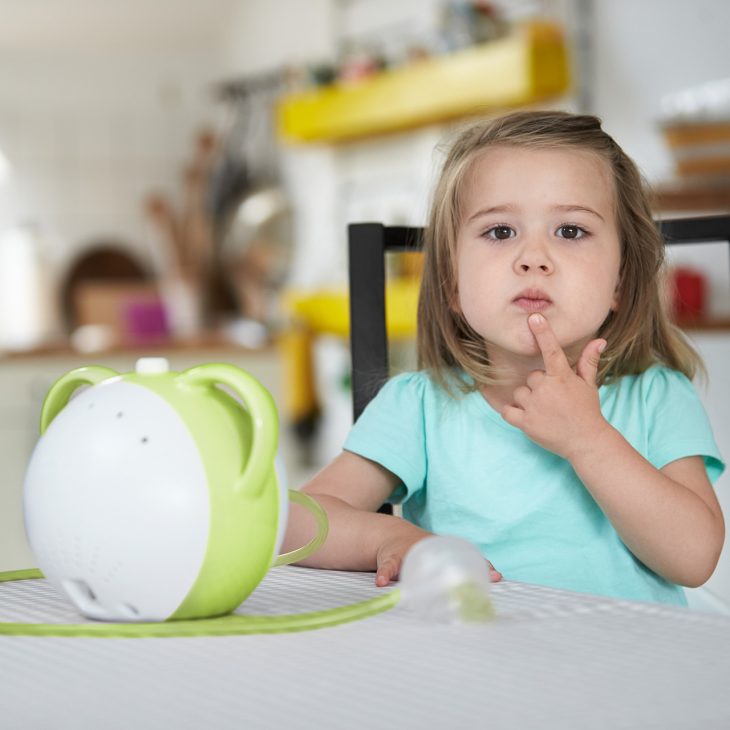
[[559, 407], [391, 553]]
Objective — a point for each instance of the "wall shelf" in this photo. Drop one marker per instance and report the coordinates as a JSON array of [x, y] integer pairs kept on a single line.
[[526, 67]]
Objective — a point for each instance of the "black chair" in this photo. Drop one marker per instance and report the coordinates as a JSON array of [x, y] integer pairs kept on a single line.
[[368, 245]]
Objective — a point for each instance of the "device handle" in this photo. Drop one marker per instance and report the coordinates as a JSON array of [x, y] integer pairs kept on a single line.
[[264, 419], [62, 390]]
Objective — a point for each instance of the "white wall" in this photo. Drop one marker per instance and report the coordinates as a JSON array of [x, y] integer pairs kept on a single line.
[[644, 50], [90, 135], [264, 35]]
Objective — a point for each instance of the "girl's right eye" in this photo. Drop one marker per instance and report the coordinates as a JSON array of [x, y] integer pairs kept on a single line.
[[500, 233]]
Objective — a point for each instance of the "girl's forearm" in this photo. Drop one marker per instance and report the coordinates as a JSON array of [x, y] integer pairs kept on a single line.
[[664, 524], [353, 539]]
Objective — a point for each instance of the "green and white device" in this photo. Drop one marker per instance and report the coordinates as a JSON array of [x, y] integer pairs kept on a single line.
[[155, 495], [154, 502]]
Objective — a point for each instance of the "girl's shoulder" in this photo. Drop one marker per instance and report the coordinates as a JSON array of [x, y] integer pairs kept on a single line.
[[426, 385], [657, 384], [416, 388], [655, 375], [416, 383]]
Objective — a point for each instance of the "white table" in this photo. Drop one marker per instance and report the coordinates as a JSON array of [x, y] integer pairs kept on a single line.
[[550, 659]]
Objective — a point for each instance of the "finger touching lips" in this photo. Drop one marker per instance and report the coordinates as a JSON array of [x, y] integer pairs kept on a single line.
[[552, 353]]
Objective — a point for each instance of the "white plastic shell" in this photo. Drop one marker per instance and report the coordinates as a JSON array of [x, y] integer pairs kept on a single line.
[[116, 504]]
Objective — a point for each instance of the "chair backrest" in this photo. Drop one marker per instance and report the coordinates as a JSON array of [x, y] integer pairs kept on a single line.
[[368, 245]]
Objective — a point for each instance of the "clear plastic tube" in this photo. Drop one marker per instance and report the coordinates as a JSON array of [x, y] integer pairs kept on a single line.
[[229, 625]]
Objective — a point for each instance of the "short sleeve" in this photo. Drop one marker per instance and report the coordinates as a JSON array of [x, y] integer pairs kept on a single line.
[[679, 425], [390, 432]]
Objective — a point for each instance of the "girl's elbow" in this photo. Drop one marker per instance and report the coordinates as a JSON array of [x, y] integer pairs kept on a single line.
[[695, 580], [705, 565]]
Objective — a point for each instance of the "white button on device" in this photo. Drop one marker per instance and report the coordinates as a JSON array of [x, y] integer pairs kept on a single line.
[[152, 365]]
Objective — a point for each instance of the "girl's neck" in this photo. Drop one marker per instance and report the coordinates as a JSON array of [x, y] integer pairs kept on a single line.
[[500, 394], [510, 376], [512, 371]]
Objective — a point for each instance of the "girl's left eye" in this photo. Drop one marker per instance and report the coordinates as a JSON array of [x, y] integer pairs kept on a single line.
[[571, 232]]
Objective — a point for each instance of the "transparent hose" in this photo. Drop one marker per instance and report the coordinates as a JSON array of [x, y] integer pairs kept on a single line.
[[229, 625], [322, 528]]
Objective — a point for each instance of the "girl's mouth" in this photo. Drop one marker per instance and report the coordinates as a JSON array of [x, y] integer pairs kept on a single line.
[[532, 305], [532, 300]]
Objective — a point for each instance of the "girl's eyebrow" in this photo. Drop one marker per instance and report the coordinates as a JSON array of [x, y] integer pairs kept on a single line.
[[578, 208], [508, 208]]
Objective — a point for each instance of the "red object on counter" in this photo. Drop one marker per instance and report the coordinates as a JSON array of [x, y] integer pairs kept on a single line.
[[690, 289]]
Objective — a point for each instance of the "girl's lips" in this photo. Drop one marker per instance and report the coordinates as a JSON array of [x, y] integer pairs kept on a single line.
[[532, 305]]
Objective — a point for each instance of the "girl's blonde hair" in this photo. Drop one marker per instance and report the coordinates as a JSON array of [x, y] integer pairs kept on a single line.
[[639, 333]]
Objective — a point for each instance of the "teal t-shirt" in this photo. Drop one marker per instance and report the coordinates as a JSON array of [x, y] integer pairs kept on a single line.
[[465, 471]]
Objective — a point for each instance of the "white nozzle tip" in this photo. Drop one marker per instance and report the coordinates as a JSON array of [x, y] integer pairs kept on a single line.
[[152, 365]]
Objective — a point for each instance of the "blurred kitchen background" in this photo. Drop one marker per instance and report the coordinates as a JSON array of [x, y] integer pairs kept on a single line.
[[176, 178]]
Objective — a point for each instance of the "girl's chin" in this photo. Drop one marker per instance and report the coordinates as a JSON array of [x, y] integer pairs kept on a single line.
[[527, 346], [522, 349]]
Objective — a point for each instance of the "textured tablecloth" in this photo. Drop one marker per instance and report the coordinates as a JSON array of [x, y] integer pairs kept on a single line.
[[551, 659]]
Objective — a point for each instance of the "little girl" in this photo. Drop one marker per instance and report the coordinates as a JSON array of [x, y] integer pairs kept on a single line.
[[552, 421]]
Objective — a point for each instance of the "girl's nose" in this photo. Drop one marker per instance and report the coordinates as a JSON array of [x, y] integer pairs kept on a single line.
[[533, 257]]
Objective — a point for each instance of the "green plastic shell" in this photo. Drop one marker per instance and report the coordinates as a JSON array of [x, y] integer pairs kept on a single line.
[[237, 446]]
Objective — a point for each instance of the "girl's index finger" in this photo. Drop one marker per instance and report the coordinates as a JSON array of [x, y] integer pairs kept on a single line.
[[552, 353]]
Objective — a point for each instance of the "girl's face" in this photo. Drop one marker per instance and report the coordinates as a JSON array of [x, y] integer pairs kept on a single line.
[[538, 234]]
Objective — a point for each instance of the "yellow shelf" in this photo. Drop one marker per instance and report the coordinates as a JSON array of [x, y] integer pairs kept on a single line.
[[327, 311], [526, 67]]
